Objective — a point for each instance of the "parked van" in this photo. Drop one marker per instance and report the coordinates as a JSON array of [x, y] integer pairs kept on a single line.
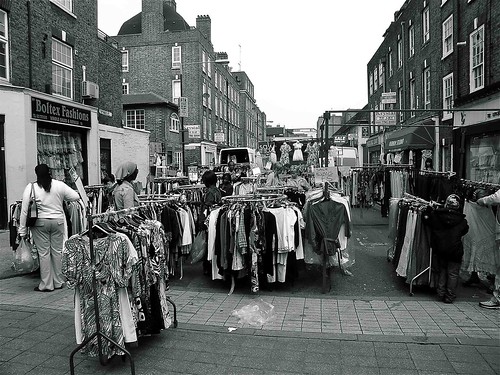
[[240, 155]]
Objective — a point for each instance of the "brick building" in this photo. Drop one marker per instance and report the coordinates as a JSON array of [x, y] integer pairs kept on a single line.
[[163, 55], [426, 61], [60, 86]]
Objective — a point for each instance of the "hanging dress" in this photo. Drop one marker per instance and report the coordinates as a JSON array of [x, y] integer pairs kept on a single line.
[[297, 154], [272, 156], [285, 153]]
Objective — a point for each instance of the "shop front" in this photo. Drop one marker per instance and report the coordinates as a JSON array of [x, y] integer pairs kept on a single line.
[[373, 149], [477, 134], [41, 128], [410, 145]]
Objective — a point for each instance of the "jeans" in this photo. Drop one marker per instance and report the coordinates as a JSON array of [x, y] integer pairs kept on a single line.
[[448, 279]]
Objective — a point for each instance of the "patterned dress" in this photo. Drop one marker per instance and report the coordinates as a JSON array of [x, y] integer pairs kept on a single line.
[[285, 153]]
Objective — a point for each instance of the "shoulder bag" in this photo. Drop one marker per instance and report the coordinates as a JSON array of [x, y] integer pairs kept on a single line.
[[32, 214]]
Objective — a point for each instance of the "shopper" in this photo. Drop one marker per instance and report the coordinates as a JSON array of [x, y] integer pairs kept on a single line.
[[109, 185], [226, 187], [298, 181], [49, 230], [273, 178], [211, 198], [494, 200], [448, 225], [124, 195]]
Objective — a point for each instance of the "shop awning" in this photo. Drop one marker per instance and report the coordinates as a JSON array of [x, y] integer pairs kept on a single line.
[[410, 138]]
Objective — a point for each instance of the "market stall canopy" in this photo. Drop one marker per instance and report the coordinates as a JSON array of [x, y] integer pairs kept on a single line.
[[411, 138]]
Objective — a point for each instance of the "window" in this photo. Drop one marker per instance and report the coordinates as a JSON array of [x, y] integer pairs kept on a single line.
[[124, 61], [66, 4], [174, 123], [176, 57], [62, 69], [125, 88], [371, 83], [447, 95], [381, 74], [176, 90], [400, 53], [427, 87], [375, 79], [426, 28], [477, 59], [411, 40], [178, 159], [413, 97], [389, 61], [135, 119], [4, 46], [448, 36], [400, 99], [206, 95]]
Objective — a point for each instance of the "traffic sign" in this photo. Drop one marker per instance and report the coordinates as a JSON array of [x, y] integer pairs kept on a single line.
[[385, 118], [388, 98], [183, 106]]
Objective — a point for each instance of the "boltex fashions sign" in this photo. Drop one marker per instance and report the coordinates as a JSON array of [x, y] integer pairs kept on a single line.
[[46, 110]]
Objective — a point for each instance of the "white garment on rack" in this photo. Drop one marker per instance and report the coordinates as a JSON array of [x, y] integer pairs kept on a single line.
[[297, 154], [212, 229], [407, 248]]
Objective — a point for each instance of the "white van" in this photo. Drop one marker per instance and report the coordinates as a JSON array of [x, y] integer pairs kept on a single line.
[[240, 155]]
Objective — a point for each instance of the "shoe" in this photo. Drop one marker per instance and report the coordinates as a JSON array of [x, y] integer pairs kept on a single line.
[[447, 300], [37, 289], [491, 304]]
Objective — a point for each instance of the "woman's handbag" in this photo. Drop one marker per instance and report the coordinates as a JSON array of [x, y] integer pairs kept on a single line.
[[32, 214]]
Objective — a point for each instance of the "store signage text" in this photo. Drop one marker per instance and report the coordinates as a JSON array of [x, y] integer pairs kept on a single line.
[[46, 110], [397, 142]]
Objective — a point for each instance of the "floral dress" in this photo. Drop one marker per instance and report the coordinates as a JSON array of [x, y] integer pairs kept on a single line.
[[285, 153]]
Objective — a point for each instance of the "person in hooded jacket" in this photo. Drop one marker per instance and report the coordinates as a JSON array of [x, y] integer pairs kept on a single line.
[[448, 225]]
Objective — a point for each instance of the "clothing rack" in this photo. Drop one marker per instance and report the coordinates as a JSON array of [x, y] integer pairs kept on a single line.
[[437, 173], [100, 335], [489, 185], [429, 268]]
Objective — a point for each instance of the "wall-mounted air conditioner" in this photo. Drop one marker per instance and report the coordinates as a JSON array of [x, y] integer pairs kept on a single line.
[[90, 90]]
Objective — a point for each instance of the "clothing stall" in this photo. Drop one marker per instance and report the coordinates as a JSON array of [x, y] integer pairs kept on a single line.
[[119, 271]]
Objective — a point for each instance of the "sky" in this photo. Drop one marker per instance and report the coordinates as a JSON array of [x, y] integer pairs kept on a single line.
[[303, 57]]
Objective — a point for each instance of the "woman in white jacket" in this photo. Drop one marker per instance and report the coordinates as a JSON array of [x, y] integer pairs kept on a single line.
[[494, 200], [49, 230]]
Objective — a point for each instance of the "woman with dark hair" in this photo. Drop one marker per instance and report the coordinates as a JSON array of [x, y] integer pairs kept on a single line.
[[124, 195], [49, 230], [226, 187]]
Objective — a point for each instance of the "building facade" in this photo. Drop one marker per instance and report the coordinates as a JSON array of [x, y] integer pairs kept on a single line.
[[165, 56], [436, 57], [59, 83]]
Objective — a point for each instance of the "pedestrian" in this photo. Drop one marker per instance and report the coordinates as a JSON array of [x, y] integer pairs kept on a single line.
[[226, 187], [109, 183], [49, 231], [211, 198], [298, 181], [448, 225], [273, 178], [124, 195], [494, 200]]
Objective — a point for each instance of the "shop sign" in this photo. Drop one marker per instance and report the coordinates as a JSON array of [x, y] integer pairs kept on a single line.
[[388, 98], [193, 131], [365, 131], [372, 142], [385, 118], [105, 113], [396, 142], [324, 174], [339, 139], [219, 137], [47, 110]]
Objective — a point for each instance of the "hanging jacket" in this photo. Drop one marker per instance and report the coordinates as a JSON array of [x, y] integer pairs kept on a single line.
[[447, 229]]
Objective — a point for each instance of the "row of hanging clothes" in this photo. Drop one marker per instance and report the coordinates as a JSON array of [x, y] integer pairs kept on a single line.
[[255, 235], [481, 252], [128, 250], [366, 186], [434, 185], [410, 252]]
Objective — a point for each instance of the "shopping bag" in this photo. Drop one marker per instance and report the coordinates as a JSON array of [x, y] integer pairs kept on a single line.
[[199, 247], [32, 214], [25, 257]]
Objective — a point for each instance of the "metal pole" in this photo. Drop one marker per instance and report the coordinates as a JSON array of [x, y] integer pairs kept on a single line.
[[326, 116]]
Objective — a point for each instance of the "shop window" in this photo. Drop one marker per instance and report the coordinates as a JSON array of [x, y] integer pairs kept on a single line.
[[483, 162], [65, 4], [62, 69], [125, 61], [477, 59], [448, 36], [61, 151], [4, 46], [135, 119], [105, 152]]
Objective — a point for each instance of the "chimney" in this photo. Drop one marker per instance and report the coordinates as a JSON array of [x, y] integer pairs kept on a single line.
[[204, 25], [152, 19]]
